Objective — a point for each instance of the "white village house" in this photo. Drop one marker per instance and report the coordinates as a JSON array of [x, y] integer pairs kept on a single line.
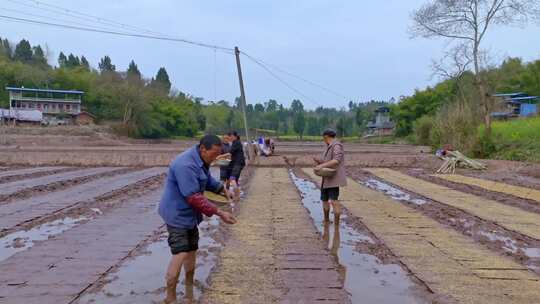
[[57, 107]]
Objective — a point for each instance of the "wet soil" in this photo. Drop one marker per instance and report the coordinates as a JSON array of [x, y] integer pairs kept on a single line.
[[371, 272], [496, 238], [92, 208], [140, 277], [13, 175], [525, 204], [32, 210], [33, 190], [57, 270]]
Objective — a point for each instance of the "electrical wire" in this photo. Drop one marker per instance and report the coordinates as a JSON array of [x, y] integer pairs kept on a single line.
[[134, 31], [113, 32], [267, 69], [49, 18], [79, 15], [298, 77]]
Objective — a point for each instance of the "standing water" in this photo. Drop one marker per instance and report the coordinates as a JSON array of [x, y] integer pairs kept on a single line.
[[142, 278], [23, 240], [367, 279]]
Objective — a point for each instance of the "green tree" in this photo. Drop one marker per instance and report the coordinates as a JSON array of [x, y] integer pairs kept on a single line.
[[530, 78], [105, 65], [84, 63], [73, 61], [133, 71], [23, 52], [343, 126], [297, 106], [230, 119], [271, 106], [38, 57], [5, 48], [162, 81], [259, 108], [299, 124], [62, 60], [312, 126]]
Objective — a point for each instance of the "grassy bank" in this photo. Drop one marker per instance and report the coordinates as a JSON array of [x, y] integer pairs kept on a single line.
[[515, 140]]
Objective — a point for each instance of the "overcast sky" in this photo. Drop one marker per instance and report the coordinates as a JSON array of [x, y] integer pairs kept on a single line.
[[360, 49]]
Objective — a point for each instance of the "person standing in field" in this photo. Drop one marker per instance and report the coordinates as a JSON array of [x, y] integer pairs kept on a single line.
[[183, 204], [224, 172], [334, 158], [238, 162]]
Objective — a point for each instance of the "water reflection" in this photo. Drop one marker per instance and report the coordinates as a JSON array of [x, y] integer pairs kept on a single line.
[[365, 277]]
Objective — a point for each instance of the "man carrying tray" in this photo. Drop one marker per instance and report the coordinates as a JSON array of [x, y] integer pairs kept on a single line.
[[183, 204]]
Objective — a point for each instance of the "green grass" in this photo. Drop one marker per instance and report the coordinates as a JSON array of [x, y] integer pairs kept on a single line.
[[517, 139]]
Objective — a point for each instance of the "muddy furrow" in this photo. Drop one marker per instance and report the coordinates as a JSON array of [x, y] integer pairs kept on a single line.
[[501, 197], [372, 274], [273, 253], [59, 269], [61, 185], [13, 175], [512, 218], [22, 212], [524, 250], [448, 262], [522, 192], [14, 187]]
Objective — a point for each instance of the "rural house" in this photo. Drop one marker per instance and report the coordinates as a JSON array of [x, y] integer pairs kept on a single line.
[[517, 105], [382, 125], [58, 107]]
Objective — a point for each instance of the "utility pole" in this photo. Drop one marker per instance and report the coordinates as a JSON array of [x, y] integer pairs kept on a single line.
[[242, 97]]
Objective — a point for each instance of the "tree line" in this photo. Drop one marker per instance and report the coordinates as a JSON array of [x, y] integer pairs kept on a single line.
[[151, 108], [449, 112], [134, 105]]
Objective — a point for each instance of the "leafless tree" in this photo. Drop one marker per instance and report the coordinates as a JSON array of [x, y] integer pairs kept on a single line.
[[466, 23]]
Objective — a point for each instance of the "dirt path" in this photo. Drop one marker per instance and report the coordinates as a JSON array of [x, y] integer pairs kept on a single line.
[[522, 192], [14, 187], [448, 262], [57, 270], [506, 216], [30, 209], [274, 253]]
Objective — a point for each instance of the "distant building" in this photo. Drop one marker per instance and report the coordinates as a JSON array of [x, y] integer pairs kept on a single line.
[[517, 105], [25, 117], [382, 125], [58, 107]]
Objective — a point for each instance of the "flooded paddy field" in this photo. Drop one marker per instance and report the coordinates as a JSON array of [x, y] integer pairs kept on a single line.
[[86, 229]]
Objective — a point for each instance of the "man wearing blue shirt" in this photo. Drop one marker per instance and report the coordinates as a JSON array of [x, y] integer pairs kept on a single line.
[[183, 204]]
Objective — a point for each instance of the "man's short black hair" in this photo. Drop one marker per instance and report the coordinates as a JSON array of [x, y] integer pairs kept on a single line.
[[208, 141], [235, 134], [329, 132]]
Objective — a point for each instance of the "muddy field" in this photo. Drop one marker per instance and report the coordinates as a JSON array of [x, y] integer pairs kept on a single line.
[[78, 224]]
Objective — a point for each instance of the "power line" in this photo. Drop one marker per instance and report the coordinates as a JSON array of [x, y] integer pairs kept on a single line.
[[262, 65], [113, 32], [79, 15], [49, 18], [135, 32], [300, 78]]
